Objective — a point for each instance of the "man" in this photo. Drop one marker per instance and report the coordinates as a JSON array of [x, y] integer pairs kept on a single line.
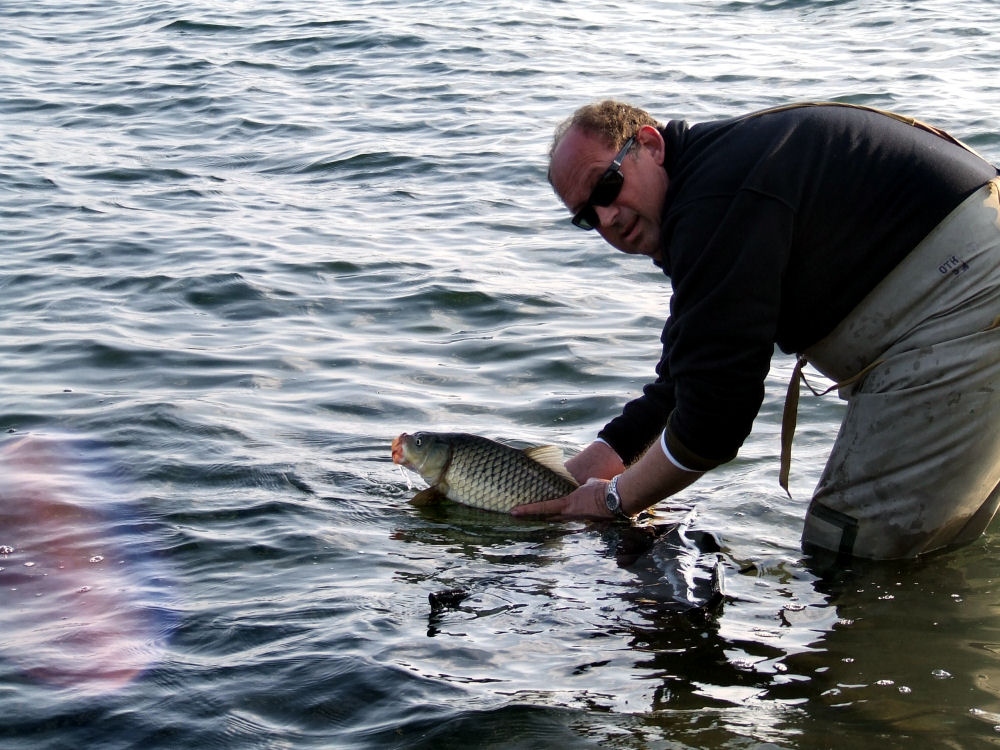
[[866, 242]]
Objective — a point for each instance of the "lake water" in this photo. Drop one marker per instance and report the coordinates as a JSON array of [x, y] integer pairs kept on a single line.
[[246, 244]]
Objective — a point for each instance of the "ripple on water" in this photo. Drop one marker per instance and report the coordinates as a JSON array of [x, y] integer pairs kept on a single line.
[[248, 246]]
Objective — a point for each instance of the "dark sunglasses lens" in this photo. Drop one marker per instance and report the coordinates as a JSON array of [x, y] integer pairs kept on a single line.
[[607, 189], [586, 218], [604, 194]]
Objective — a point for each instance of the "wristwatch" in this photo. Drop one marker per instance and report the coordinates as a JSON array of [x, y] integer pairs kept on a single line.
[[614, 501]]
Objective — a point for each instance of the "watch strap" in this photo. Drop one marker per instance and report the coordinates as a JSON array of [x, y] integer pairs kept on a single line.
[[614, 500]]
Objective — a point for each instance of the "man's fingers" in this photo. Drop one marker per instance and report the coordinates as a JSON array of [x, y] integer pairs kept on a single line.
[[543, 508], [586, 501]]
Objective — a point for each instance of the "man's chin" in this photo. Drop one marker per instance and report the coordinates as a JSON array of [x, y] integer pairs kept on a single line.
[[649, 252], [636, 244]]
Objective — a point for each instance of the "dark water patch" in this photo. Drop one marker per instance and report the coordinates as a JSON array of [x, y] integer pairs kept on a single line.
[[332, 23], [389, 402], [511, 352], [69, 256], [235, 551], [790, 5], [517, 726], [184, 26], [239, 474], [132, 174], [365, 40], [117, 354], [159, 431], [74, 722], [228, 295], [448, 523], [357, 167], [336, 267], [26, 180], [100, 111], [172, 60], [247, 126], [302, 685], [251, 66], [445, 296], [371, 407], [15, 105]]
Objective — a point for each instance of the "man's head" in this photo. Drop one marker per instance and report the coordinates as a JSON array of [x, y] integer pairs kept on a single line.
[[622, 200]]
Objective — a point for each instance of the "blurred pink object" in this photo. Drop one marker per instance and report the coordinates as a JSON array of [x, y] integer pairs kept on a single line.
[[70, 612]]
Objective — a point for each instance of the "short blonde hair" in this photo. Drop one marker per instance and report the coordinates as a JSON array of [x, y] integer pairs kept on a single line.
[[612, 121]]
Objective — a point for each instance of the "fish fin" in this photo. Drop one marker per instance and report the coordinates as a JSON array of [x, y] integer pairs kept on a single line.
[[551, 457], [429, 496]]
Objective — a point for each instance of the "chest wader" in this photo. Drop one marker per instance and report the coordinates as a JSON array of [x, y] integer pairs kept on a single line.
[[916, 463]]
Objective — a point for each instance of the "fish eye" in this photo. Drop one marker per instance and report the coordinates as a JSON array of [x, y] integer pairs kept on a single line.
[[417, 440]]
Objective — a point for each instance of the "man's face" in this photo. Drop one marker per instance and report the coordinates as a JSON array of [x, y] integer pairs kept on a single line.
[[631, 222]]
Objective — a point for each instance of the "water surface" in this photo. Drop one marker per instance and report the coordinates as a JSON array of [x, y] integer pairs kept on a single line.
[[248, 244]]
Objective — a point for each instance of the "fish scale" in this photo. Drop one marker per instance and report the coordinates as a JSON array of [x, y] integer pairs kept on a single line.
[[499, 480]]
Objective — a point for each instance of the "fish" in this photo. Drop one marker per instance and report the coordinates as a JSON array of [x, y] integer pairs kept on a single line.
[[482, 473]]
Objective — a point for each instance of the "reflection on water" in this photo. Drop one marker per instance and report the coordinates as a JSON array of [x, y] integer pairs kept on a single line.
[[795, 650], [898, 648]]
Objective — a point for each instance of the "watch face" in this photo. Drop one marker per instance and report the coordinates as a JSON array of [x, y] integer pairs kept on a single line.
[[611, 499]]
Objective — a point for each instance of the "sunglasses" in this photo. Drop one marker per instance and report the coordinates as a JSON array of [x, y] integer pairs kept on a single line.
[[608, 186]]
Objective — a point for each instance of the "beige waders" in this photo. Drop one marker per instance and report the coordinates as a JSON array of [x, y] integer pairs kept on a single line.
[[916, 464]]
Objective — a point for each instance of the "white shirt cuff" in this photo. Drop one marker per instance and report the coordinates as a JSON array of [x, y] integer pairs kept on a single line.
[[670, 457]]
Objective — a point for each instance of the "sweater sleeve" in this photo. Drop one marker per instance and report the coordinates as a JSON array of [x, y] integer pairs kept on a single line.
[[728, 258], [642, 419]]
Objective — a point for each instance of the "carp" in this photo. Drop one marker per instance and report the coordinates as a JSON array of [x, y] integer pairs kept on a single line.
[[482, 473]]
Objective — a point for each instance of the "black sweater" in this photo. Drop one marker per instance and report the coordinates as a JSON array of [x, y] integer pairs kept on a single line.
[[775, 226]]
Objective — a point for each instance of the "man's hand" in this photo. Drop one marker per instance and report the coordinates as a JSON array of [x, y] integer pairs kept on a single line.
[[652, 478], [584, 502], [596, 460]]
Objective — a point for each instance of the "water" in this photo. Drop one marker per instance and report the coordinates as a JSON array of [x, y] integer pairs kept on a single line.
[[246, 244]]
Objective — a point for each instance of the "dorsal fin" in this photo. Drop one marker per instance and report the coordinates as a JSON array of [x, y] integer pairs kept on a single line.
[[551, 457]]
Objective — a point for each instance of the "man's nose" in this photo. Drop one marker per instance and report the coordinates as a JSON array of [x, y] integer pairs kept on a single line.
[[607, 214]]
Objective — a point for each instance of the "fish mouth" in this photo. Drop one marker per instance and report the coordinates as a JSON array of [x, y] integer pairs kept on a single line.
[[398, 454]]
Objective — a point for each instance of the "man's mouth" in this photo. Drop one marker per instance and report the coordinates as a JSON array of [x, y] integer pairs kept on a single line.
[[629, 235]]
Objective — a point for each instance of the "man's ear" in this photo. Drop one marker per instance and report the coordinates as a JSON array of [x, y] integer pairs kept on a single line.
[[652, 139]]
